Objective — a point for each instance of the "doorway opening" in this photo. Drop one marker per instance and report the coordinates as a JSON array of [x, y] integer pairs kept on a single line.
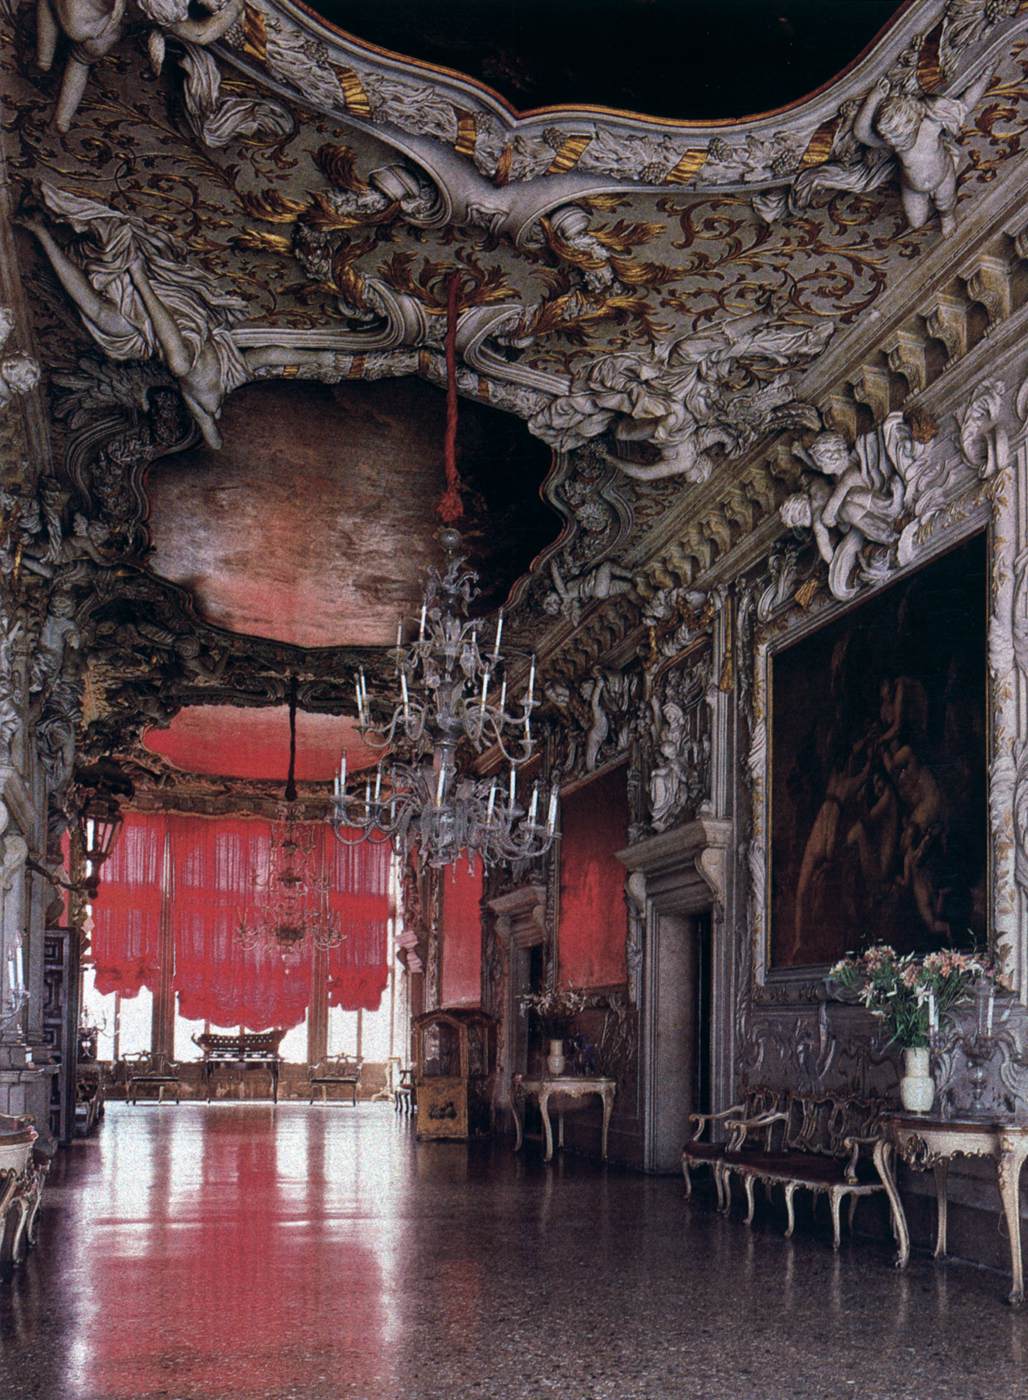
[[680, 986]]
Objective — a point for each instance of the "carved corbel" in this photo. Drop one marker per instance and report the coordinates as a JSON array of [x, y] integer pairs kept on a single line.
[[872, 386], [990, 283], [947, 322], [906, 353], [983, 439], [841, 414]]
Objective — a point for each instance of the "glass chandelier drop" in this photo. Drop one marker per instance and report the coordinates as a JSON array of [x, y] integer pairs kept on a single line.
[[289, 907], [452, 703]]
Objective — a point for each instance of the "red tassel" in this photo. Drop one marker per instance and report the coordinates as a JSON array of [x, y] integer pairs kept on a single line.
[[451, 508]]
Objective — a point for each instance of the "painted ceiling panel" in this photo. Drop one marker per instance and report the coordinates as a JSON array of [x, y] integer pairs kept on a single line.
[[315, 525], [712, 59], [228, 741]]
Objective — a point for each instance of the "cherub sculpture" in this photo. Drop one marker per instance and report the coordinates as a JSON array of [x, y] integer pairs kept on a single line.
[[569, 596], [921, 132], [18, 373], [95, 27], [858, 506]]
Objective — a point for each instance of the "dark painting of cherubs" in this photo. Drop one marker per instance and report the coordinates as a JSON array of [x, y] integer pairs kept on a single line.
[[878, 822]]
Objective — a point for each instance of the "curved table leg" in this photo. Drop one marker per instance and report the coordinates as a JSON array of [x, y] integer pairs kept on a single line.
[[544, 1109], [608, 1104], [751, 1204], [518, 1109], [941, 1208], [790, 1209], [835, 1201], [883, 1158], [1012, 1152]]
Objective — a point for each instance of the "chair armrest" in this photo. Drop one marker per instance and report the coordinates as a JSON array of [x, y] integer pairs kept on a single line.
[[741, 1126], [853, 1146], [701, 1119]]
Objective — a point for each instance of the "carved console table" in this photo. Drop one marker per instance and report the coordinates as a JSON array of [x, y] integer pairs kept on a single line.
[[924, 1142], [570, 1086]]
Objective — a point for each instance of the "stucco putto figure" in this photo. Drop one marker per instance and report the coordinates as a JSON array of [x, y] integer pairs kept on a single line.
[[95, 27]]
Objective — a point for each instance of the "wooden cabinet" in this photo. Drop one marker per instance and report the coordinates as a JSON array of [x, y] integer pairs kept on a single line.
[[454, 1062]]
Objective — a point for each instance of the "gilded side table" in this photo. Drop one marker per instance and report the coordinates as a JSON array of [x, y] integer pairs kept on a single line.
[[923, 1141], [574, 1086]]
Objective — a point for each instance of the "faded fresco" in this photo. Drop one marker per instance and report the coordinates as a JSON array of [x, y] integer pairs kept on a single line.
[[878, 772]]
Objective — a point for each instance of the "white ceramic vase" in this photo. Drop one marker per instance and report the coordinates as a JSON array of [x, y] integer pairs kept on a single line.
[[917, 1087], [555, 1059]]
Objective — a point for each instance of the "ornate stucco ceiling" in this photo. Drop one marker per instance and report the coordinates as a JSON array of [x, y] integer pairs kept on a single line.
[[224, 206], [707, 59]]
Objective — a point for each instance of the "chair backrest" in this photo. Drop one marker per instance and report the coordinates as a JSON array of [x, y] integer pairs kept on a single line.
[[821, 1122], [346, 1066]]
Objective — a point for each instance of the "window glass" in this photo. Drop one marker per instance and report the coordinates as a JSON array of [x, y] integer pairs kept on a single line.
[[294, 1045], [135, 1023], [98, 1011], [184, 1030], [342, 1031]]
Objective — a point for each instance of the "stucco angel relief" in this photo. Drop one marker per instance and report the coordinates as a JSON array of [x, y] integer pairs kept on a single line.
[[95, 27], [140, 298], [721, 387]]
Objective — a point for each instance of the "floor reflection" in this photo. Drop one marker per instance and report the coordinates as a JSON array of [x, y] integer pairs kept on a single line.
[[240, 1252]]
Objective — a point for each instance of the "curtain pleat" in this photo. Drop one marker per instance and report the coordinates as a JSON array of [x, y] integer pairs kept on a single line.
[[213, 867]]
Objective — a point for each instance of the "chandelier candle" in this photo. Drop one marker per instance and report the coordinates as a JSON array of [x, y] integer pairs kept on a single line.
[[431, 800]]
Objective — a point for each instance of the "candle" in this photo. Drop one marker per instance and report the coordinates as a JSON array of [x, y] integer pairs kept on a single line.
[[20, 955], [503, 696], [551, 818], [992, 1002], [357, 693], [499, 632], [335, 786], [399, 634], [485, 686], [378, 782], [342, 770], [367, 794], [404, 695], [533, 805], [933, 1021], [513, 782], [421, 627], [440, 786], [492, 802], [531, 681]]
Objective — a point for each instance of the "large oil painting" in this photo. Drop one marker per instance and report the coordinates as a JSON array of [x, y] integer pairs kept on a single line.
[[878, 816]]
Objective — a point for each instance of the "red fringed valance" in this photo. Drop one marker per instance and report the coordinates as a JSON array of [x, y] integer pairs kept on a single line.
[[127, 910], [208, 883]]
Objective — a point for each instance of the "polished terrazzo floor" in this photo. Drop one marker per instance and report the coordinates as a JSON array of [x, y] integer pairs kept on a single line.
[[241, 1252]]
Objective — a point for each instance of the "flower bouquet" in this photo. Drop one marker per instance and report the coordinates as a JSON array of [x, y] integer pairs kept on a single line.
[[911, 993], [554, 1009]]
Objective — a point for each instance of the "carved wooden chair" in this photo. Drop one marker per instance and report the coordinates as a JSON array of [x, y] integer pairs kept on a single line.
[[344, 1070], [702, 1151]]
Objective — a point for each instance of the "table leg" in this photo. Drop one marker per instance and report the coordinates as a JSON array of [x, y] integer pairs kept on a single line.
[[941, 1208], [1012, 1152], [544, 1109], [608, 1104], [517, 1108], [883, 1158]]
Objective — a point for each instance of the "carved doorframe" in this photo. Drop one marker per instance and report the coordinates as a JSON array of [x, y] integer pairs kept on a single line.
[[516, 922], [683, 871]]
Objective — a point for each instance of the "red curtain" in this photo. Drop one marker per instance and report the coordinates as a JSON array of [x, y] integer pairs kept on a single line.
[[358, 969], [213, 863], [127, 909], [212, 867], [593, 918]]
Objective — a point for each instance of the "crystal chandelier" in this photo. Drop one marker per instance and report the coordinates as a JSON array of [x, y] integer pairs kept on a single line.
[[452, 701], [289, 903]]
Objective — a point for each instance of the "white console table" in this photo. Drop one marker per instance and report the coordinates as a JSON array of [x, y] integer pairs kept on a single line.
[[571, 1086]]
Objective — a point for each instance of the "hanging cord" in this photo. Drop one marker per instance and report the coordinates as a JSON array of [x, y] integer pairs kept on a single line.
[[291, 780], [450, 507]]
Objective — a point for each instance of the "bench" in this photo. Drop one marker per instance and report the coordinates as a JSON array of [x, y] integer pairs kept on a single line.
[[148, 1077], [817, 1142], [23, 1169], [341, 1070], [702, 1151]]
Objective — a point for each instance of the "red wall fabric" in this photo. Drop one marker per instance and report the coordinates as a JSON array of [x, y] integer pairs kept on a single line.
[[461, 979], [127, 909], [593, 918]]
